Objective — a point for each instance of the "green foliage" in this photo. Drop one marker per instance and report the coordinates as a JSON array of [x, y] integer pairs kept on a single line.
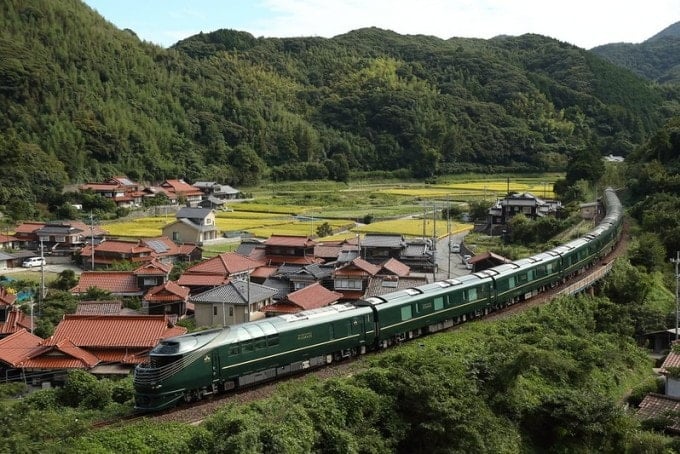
[[83, 389], [66, 280], [324, 230], [122, 391], [648, 252], [238, 109], [12, 389]]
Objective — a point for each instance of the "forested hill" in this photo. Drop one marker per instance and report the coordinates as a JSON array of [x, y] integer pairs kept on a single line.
[[82, 100], [657, 58]]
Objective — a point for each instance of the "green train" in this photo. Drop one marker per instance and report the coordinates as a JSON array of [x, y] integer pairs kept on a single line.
[[189, 367]]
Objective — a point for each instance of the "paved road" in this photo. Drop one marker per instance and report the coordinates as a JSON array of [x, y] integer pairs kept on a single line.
[[449, 264]]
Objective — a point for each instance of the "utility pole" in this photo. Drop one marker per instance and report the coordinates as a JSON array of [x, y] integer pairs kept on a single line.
[[42, 274], [676, 260], [448, 228], [92, 241]]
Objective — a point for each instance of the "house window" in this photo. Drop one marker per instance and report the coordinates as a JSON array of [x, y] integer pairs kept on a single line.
[[299, 285], [348, 284], [148, 281], [175, 236], [60, 239], [214, 310], [231, 311]]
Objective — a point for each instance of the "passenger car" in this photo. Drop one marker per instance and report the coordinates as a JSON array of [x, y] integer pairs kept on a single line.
[[33, 261]]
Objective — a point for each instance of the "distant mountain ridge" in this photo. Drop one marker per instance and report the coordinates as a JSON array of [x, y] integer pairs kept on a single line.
[[657, 58], [83, 100]]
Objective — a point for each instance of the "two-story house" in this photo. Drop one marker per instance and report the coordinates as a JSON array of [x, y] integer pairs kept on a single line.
[[180, 189], [123, 191], [193, 225]]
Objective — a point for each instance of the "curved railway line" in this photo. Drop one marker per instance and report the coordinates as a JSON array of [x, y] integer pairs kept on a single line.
[[196, 412]]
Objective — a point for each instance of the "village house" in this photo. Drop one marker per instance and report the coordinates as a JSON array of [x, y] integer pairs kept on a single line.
[[217, 271], [217, 190], [290, 249], [179, 190], [351, 279], [237, 301], [67, 235], [167, 298], [193, 225], [103, 345], [123, 191], [310, 297], [525, 203]]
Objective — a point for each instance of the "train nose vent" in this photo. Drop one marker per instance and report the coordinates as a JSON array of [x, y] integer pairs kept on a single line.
[[146, 375]]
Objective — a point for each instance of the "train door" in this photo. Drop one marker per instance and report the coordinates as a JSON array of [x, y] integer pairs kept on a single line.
[[215, 360]]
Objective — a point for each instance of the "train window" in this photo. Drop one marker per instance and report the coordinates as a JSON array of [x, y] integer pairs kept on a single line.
[[438, 303], [247, 346], [541, 270], [259, 343], [406, 313], [472, 294], [234, 349], [511, 282], [522, 278], [274, 339]]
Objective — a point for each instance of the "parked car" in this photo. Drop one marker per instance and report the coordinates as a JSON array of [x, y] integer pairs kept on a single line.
[[455, 248], [465, 259], [33, 261]]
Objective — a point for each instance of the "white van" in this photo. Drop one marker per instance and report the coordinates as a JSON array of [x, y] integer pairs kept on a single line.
[[33, 261]]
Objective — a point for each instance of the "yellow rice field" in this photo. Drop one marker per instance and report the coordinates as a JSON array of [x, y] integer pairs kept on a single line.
[[480, 188], [413, 227]]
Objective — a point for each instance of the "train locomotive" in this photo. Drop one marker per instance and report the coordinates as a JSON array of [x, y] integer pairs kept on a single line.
[[191, 366]]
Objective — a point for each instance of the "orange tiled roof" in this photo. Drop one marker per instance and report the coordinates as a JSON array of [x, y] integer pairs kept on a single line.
[[113, 331], [7, 238], [327, 251], [17, 346], [282, 308], [6, 298], [167, 246], [290, 240], [187, 249], [264, 271], [657, 405], [202, 280], [168, 291], [672, 360], [154, 267], [29, 227], [16, 320], [181, 187], [313, 296], [122, 247], [225, 264], [358, 264], [116, 282], [394, 266], [61, 355]]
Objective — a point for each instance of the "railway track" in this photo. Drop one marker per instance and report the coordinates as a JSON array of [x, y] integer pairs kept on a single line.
[[196, 412]]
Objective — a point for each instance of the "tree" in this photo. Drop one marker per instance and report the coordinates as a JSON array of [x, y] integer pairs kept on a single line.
[[585, 164], [324, 230]]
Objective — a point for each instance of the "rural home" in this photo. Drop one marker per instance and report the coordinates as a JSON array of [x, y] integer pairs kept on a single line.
[[181, 190], [217, 271], [238, 301], [311, 297], [352, 278], [193, 225], [290, 249], [107, 344], [123, 191], [217, 190], [167, 298]]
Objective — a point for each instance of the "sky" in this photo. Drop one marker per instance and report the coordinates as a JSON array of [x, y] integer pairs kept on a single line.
[[583, 23]]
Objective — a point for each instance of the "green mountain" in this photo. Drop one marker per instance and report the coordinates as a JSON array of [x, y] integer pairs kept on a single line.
[[83, 100], [657, 58]]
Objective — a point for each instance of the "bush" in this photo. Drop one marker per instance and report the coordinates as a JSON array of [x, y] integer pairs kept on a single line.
[[12, 389], [82, 389], [122, 391]]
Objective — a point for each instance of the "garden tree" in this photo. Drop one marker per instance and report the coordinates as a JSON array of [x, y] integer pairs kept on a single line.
[[66, 280], [324, 230], [97, 294], [479, 209]]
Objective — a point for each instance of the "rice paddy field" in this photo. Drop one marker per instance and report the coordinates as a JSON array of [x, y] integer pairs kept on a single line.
[[391, 207]]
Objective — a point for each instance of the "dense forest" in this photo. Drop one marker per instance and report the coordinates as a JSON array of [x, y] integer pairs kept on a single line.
[[83, 100]]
